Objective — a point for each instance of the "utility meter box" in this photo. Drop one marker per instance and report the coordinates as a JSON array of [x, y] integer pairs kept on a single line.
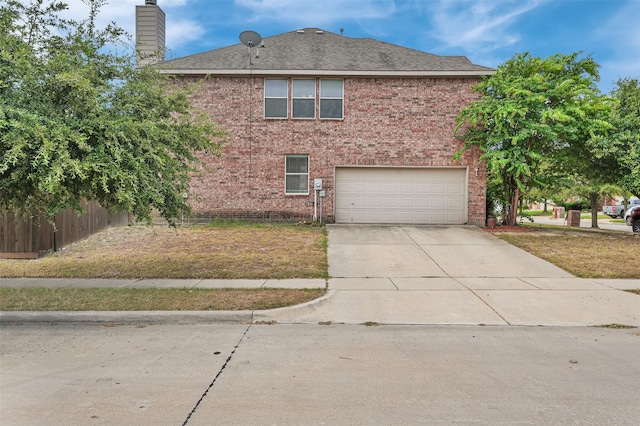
[[317, 184]]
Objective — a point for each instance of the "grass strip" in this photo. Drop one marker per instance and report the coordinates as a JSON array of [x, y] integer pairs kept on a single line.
[[583, 254], [151, 299]]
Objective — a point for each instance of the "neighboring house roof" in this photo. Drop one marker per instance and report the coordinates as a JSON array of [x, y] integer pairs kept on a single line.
[[313, 51]]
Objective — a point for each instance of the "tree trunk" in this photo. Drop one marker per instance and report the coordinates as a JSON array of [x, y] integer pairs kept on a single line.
[[520, 206], [545, 206], [593, 198], [511, 216]]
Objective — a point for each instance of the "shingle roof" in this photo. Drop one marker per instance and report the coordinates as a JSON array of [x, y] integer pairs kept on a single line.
[[315, 51]]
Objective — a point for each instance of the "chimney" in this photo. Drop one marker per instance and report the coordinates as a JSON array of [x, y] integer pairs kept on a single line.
[[150, 23]]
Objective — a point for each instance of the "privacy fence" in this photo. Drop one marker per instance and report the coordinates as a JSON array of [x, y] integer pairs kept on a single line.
[[31, 237]]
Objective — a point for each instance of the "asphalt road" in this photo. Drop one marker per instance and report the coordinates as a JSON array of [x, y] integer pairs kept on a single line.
[[236, 374], [604, 223]]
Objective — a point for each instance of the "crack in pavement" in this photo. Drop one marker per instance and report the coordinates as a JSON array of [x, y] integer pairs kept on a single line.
[[195, 407], [425, 252]]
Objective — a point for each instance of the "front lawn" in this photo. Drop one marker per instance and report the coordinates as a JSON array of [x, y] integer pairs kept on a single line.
[[197, 251], [582, 253]]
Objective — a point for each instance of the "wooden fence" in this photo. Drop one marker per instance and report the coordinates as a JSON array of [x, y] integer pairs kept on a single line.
[[31, 237]]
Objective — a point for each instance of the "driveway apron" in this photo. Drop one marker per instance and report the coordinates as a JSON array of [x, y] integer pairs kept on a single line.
[[454, 275]]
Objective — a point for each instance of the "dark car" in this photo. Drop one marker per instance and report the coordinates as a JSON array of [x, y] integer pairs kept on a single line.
[[635, 220], [629, 212]]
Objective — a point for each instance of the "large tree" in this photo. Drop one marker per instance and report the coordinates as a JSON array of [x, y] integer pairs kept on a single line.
[[533, 113], [621, 149], [78, 121]]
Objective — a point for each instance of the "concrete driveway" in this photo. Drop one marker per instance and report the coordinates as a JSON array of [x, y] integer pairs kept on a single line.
[[428, 251], [454, 275]]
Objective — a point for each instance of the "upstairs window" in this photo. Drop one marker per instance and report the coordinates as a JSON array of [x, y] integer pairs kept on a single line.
[[296, 174], [304, 98], [331, 98], [275, 98], [302, 94]]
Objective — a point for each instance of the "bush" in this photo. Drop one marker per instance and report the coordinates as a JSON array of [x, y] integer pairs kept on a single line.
[[576, 205]]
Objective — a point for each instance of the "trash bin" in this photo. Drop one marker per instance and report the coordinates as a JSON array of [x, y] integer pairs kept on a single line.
[[573, 218]]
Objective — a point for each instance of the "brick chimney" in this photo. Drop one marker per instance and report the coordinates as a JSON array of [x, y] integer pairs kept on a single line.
[[150, 23]]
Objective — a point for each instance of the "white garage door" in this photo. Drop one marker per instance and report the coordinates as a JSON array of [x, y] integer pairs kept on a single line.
[[400, 195]]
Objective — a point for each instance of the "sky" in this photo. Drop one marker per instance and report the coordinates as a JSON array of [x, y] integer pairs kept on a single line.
[[488, 32]]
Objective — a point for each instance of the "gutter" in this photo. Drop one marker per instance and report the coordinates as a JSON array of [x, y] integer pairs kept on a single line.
[[345, 73]]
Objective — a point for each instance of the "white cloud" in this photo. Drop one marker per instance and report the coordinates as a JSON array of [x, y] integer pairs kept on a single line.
[[182, 32], [179, 32], [477, 25], [122, 12], [316, 13]]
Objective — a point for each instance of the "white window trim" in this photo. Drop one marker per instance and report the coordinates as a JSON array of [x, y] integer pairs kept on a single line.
[[264, 100], [296, 174], [315, 99], [320, 98]]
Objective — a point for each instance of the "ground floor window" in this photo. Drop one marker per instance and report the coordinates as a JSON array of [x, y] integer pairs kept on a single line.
[[296, 171]]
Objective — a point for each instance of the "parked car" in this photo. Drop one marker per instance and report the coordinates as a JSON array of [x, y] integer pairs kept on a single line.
[[629, 212], [618, 211], [635, 220]]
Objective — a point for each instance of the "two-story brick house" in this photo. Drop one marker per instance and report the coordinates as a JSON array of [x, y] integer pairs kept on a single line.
[[374, 121]]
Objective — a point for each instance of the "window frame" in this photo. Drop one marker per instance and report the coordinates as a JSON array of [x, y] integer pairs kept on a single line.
[[287, 173], [286, 99], [341, 98], [294, 98]]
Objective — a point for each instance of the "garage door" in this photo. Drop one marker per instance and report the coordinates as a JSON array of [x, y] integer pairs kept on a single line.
[[400, 195]]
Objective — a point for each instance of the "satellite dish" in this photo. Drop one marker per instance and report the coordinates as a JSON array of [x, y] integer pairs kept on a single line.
[[250, 38]]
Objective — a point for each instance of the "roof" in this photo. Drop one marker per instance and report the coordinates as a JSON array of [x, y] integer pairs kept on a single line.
[[313, 51]]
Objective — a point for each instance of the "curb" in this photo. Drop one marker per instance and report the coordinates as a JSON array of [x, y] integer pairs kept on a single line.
[[127, 317], [153, 317], [274, 314]]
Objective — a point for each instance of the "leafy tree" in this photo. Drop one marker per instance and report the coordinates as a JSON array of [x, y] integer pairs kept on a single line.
[[594, 192], [621, 149], [78, 121], [533, 112]]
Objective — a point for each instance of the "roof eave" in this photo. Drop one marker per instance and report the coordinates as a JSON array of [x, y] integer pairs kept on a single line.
[[345, 73]]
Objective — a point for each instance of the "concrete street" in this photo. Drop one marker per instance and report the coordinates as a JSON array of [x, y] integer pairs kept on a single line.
[[421, 325], [223, 374]]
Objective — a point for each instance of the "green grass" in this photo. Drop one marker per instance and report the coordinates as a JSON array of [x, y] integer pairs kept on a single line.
[[539, 212], [151, 299], [617, 326], [588, 216]]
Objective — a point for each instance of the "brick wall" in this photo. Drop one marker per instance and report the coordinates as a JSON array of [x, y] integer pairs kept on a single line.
[[387, 122]]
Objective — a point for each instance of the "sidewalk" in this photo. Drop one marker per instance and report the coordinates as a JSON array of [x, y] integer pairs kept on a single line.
[[556, 301]]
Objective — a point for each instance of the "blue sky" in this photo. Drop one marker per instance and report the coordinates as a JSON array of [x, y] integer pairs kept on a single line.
[[488, 32]]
